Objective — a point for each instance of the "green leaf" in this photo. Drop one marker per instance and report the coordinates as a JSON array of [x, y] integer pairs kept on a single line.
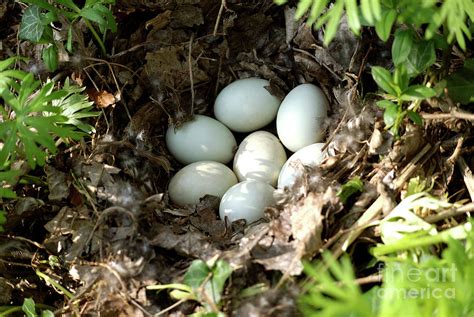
[[221, 272], [460, 85], [352, 12], [42, 4], [3, 217], [212, 280], [28, 307], [334, 16], [353, 186], [376, 9], [366, 9], [47, 313], [50, 58], [316, 10], [383, 27], [390, 114], [70, 4], [383, 78], [422, 55], [415, 117], [418, 92], [400, 77], [110, 23], [196, 274], [401, 46], [303, 7], [384, 103], [31, 26], [93, 15]]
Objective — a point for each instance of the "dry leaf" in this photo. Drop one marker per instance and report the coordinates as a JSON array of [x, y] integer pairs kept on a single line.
[[102, 98], [57, 183], [307, 224]]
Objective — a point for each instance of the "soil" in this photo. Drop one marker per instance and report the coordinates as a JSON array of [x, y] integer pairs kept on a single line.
[[97, 218]]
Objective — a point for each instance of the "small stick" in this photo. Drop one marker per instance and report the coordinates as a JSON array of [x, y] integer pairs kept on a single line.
[[219, 16], [450, 213], [190, 65], [374, 210], [467, 176], [454, 114]]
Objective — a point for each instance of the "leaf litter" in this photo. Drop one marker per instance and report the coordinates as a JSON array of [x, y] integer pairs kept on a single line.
[[104, 211]]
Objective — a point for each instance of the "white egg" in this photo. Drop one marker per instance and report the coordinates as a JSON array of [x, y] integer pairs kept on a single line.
[[310, 155], [196, 180], [245, 105], [246, 200], [201, 139], [300, 117], [260, 156]]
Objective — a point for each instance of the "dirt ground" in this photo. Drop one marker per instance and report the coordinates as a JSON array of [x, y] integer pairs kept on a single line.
[[100, 211]]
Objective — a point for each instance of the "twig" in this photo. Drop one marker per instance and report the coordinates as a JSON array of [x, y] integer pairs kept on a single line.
[[167, 309], [450, 213], [457, 151], [190, 65], [36, 244], [454, 114], [371, 279], [219, 16], [467, 176], [374, 210]]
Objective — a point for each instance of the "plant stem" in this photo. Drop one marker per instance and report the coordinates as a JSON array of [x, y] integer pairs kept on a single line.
[[55, 284], [458, 233], [96, 36], [10, 310]]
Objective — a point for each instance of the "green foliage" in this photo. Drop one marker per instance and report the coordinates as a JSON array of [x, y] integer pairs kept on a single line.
[[31, 122], [29, 308], [37, 18], [33, 117], [203, 282], [421, 27], [431, 286], [398, 90], [332, 291], [3, 219], [451, 16], [460, 84], [348, 189]]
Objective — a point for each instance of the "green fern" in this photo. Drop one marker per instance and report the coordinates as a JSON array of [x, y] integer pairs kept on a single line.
[[450, 16], [35, 115], [75, 107], [432, 286], [25, 129], [333, 291]]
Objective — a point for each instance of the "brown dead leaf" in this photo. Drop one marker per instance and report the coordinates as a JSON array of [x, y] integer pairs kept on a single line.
[[102, 98], [58, 184], [5, 291], [160, 21], [78, 78], [70, 232], [186, 16], [304, 38], [307, 224], [281, 257], [193, 244], [380, 142], [169, 65]]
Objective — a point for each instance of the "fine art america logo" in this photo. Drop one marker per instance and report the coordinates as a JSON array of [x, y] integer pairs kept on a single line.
[[422, 283]]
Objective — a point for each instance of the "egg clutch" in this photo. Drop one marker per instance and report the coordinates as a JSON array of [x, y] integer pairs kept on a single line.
[[205, 145]]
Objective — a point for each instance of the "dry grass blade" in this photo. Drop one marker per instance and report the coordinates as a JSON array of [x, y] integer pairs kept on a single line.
[[374, 210]]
